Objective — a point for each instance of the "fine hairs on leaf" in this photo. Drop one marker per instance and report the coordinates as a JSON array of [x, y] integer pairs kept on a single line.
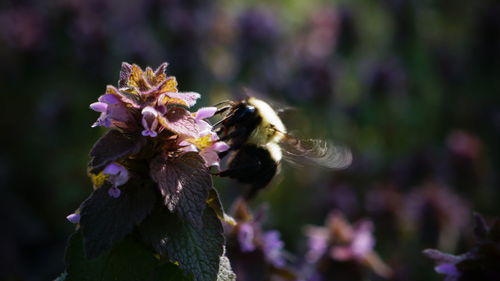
[[180, 121], [112, 146], [106, 220], [197, 250], [184, 183]]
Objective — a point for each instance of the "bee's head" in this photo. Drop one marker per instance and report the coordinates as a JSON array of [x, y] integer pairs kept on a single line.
[[240, 113]]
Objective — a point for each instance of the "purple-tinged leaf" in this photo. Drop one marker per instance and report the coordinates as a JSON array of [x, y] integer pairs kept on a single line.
[[113, 146], [124, 74], [105, 220], [161, 69], [187, 99], [180, 121], [126, 98], [184, 183]]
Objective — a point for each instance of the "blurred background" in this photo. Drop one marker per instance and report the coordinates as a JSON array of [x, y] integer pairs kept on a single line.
[[413, 87]]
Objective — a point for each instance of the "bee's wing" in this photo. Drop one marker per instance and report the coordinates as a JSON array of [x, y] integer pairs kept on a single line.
[[317, 152]]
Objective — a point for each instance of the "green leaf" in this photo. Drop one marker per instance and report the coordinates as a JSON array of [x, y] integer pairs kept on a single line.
[[184, 182], [106, 220], [113, 146], [127, 261], [198, 250]]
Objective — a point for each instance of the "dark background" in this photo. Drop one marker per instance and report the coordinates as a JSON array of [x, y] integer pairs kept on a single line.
[[413, 87]]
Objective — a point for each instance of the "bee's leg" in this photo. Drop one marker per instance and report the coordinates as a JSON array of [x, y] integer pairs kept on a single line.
[[225, 117], [222, 109]]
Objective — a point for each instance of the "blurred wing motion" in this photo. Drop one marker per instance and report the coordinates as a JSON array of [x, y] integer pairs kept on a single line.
[[316, 152]]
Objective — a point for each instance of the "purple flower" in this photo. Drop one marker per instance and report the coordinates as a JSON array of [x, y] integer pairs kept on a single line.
[[205, 112], [112, 109], [73, 218], [363, 241], [207, 144], [361, 244], [149, 121], [210, 153], [318, 243], [118, 175], [343, 242], [99, 106], [448, 269], [246, 236], [272, 248], [114, 192]]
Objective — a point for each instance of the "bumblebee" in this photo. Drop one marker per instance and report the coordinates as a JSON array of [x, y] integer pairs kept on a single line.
[[259, 141]]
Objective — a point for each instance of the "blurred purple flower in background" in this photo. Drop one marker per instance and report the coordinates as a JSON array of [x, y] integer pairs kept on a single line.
[[246, 237], [255, 254], [22, 27], [273, 248], [339, 242], [436, 204], [479, 263]]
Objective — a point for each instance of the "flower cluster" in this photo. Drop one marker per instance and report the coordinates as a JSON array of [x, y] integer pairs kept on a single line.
[[339, 242], [149, 101], [149, 119]]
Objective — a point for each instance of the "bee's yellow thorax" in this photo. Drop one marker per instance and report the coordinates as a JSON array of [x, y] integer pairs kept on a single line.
[[270, 129]]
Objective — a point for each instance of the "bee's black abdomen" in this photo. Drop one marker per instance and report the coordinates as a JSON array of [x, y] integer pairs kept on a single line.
[[252, 165]]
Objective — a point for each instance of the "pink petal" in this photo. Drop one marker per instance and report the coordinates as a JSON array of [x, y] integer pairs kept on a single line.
[[188, 147], [220, 146], [205, 112], [211, 158], [204, 127], [99, 106]]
